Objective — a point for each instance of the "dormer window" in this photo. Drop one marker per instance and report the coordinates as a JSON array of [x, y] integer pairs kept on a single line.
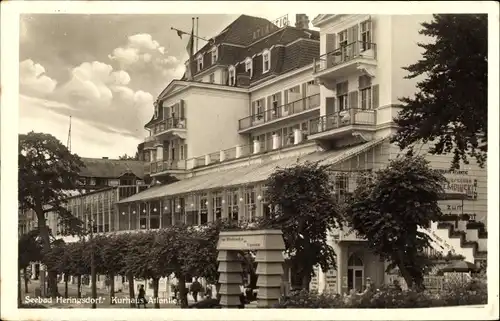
[[214, 55], [232, 76], [199, 62], [248, 66], [266, 61]]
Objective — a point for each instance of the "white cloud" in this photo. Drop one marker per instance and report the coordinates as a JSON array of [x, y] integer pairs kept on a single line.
[[33, 80], [143, 41]]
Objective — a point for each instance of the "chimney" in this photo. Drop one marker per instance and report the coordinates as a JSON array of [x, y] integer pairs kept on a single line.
[[243, 80], [301, 21], [104, 158]]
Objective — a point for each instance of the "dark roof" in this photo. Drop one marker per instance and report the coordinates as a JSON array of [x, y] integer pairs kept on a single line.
[[111, 168]]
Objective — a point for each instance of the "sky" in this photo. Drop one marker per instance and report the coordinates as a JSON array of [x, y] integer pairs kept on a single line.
[[104, 71]]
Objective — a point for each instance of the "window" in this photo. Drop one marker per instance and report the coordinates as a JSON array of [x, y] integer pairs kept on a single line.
[[214, 55], [248, 66], [250, 203], [266, 61], [217, 206], [156, 110], [365, 90], [341, 186], [258, 109], [203, 208], [366, 38], [233, 201], [342, 36], [342, 91], [199, 62], [232, 76]]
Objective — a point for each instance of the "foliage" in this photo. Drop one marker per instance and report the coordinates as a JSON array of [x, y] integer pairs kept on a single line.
[[29, 249], [305, 210], [46, 171], [127, 157], [472, 292], [451, 105], [389, 208]]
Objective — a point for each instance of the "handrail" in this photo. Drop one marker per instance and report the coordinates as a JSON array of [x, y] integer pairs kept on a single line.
[[352, 116], [356, 49], [281, 111], [169, 123]]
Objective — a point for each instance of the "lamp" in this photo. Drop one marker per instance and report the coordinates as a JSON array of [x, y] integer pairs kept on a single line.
[[133, 212], [154, 209], [259, 198], [206, 203], [144, 210], [123, 213], [166, 208], [241, 199], [192, 205], [179, 206], [223, 201]]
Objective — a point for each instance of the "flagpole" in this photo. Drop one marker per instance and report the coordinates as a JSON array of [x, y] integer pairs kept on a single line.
[[197, 29], [187, 33]]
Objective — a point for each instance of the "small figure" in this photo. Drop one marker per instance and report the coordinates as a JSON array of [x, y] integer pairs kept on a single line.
[[141, 297]]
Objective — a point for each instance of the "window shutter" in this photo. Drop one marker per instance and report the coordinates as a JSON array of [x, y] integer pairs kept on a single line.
[[181, 107], [353, 100], [371, 25], [286, 97], [279, 98], [375, 96], [269, 103], [166, 112], [331, 42], [304, 90], [330, 105]]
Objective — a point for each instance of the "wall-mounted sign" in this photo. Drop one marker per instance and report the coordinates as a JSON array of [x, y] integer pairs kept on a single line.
[[282, 21], [460, 182], [249, 242]]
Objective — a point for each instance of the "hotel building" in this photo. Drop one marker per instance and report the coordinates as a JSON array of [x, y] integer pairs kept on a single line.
[[260, 97]]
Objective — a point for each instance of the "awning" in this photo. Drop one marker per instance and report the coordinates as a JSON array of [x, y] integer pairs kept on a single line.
[[247, 174]]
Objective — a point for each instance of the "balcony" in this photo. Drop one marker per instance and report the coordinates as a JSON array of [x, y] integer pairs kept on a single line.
[[273, 115], [342, 123], [346, 60], [170, 126], [157, 167]]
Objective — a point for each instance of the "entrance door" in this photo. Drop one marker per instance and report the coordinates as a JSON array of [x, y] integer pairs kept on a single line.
[[355, 274]]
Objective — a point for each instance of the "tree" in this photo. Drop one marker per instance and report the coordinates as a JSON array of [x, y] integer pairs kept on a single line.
[[305, 210], [390, 206], [79, 264], [127, 157], [111, 257], [29, 250], [451, 106], [46, 170]]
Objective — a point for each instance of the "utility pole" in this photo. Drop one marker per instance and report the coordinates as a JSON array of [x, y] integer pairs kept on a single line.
[[93, 275]]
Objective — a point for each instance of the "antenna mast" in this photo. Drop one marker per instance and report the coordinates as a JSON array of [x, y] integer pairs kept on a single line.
[[68, 144]]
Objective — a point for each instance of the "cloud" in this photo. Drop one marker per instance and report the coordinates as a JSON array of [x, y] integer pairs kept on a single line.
[[33, 80], [145, 56]]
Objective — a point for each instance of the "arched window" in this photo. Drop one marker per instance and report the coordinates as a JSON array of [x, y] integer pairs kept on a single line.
[[249, 66], [354, 260], [266, 60], [199, 62]]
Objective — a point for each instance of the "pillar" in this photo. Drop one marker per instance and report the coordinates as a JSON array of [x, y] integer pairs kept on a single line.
[[269, 271], [230, 278], [238, 152], [256, 146], [276, 141], [207, 159], [297, 136], [222, 156], [341, 268], [159, 152]]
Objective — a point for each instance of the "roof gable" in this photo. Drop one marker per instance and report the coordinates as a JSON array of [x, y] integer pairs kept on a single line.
[[111, 168]]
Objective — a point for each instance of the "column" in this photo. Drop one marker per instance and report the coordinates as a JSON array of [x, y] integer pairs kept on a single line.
[[238, 152], [230, 278], [256, 146], [222, 156], [269, 271], [160, 211], [276, 141], [210, 207], [129, 218], [297, 136], [341, 268]]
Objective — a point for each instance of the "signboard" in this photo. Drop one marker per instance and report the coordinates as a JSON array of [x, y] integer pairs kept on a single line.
[[347, 234], [247, 242], [460, 183], [331, 281], [314, 285], [282, 21]]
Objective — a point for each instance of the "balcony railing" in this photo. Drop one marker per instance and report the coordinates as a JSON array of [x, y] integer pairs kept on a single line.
[[345, 53], [341, 119], [165, 165], [169, 123], [282, 111]]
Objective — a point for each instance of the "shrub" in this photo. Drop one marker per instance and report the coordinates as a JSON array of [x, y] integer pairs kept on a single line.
[[469, 292]]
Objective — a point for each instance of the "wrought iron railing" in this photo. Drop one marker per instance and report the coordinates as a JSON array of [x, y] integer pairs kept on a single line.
[[341, 119], [273, 113], [169, 123], [345, 53]]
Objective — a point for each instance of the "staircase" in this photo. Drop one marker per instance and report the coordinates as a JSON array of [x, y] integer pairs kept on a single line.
[[467, 238]]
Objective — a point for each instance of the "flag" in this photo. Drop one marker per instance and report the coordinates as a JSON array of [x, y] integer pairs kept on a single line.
[[180, 33], [190, 48]]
